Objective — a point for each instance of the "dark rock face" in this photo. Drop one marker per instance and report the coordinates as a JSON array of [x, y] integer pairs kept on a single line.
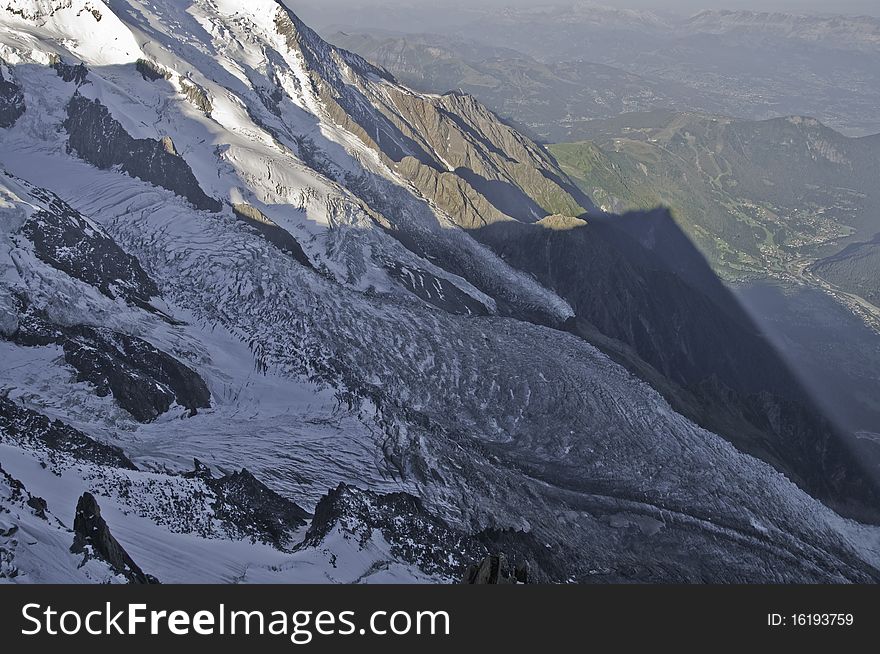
[[142, 379], [76, 73], [252, 507], [98, 138], [22, 425], [422, 539], [17, 490], [66, 240], [495, 569], [39, 505], [527, 554], [92, 538], [11, 100], [271, 231], [436, 290], [415, 535]]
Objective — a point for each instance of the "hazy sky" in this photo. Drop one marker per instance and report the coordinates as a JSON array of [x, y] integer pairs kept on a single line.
[[868, 7]]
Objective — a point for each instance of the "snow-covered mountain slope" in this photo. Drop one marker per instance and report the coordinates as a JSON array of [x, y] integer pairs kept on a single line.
[[222, 239], [35, 544]]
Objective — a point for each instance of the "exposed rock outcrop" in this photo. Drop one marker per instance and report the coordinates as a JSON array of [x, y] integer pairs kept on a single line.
[[76, 73], [98, 138], [143, 380], [254, 509], [496, 569], [11, 99], [27, 428], [415, 535], [437, 291], [422, 539], [75, 245], [151, 71], [197, 96], [92, 538], [37, 9]]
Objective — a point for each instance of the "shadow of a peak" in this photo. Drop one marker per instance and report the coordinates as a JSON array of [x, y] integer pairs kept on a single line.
[[643, 293]]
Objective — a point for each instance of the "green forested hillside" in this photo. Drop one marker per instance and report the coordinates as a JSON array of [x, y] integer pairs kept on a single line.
[[757, 197]]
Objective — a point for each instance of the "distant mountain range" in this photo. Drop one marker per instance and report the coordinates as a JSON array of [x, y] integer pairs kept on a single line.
[[550, 100], [714, 62], [843, 32]]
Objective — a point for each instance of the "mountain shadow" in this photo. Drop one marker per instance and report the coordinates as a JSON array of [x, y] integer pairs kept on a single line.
[[643, 294]]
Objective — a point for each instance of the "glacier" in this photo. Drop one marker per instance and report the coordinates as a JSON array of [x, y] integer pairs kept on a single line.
[[373, 364]]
